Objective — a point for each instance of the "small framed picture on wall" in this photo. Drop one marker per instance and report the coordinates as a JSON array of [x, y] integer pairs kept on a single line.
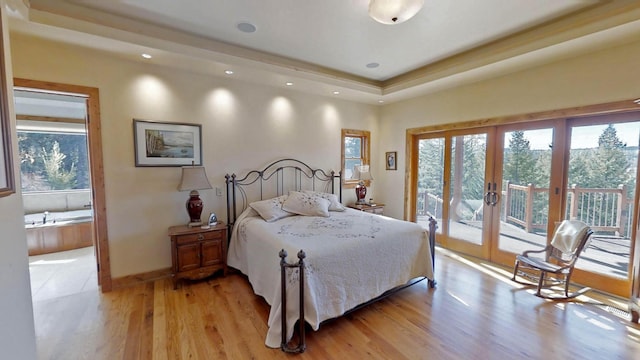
[[391, 160]]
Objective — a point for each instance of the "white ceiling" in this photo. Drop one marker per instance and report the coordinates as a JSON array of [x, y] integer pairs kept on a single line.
[[325, 45]]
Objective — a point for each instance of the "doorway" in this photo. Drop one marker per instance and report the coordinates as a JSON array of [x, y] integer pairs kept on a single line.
[[499, 190], [96, 174]]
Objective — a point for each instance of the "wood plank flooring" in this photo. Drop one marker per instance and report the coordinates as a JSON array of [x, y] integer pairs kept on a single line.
[[475, 312]]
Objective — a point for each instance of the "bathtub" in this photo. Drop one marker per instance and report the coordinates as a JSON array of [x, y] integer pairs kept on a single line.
[[62, 231]]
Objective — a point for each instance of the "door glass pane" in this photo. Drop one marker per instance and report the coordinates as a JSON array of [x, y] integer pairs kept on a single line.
[[467, 187], [524, 205], [430, 180], [602, 179]]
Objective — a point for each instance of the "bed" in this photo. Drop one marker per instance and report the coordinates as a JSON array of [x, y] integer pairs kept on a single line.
[[345, 257]]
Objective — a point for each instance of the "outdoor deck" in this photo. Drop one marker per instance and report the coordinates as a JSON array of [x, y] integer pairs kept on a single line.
[[606, 255]]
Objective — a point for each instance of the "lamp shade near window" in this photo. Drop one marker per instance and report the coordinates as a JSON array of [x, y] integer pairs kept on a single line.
[[194, 178], [362, 174]]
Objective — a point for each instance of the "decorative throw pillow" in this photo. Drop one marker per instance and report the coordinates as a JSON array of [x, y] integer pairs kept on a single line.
[[306, 204], [334, 205], [271, 210]]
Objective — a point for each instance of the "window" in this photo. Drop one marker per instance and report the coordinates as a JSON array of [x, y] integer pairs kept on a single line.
[[355, 151], [53, 158]]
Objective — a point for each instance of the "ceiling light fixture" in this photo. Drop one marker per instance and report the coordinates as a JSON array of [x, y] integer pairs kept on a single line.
[[146, 56], [289, 83], [228, 72], [394, 11], [336, 93]]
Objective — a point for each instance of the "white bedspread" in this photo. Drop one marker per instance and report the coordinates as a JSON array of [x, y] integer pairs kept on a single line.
[[352, 257]]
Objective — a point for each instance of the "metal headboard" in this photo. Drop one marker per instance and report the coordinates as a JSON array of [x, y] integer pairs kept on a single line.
[[277, 178]]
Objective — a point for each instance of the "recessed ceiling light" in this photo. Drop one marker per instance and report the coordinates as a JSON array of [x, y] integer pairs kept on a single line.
[[147, 56], [228, 72], [380, 101], [289, 83], [246, 27], [373, 65], [336, 93]]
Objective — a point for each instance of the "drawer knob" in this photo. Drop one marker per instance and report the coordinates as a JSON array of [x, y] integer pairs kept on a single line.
[[200, 237]]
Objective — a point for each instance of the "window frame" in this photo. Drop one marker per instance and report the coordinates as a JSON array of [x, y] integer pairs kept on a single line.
[[365, 152]]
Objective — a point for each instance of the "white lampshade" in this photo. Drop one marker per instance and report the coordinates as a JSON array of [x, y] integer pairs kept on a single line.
[[361, 172], [194, 178], [394, 11]]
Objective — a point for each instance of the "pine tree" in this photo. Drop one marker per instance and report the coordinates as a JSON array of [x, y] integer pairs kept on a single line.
[[431, 165], [580, 168], [473, 167], [519, 161], [58, 178], [610, 166]]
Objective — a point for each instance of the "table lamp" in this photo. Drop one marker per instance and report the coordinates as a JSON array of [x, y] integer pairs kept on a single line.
[[194, 178], [361, 173]]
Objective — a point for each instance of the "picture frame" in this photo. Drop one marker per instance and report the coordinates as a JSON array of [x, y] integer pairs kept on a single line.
[[391, 160], [167, 143], [7, 185]]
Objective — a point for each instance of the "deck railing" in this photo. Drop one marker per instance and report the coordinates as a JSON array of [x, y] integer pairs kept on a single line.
[[429, 204], [605, 210]]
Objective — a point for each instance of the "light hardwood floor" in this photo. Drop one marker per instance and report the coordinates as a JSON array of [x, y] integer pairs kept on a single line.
[[475, 312]]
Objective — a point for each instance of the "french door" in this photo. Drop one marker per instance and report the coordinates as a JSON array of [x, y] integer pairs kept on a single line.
[[453, 168], [497, 191]]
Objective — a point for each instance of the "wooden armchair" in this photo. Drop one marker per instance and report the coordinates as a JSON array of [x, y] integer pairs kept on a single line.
[[554, 264]]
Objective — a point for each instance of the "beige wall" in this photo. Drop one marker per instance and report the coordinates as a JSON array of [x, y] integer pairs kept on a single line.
[[600, 77], [17, 334], [244, 126]]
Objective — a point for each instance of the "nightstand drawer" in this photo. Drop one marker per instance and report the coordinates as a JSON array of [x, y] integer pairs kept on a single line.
[[189, 238]]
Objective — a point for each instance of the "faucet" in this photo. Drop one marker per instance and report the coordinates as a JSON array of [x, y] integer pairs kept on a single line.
[[44, 217]]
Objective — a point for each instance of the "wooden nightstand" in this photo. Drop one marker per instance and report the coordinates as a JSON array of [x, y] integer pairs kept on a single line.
[[197, 253], [374, 209]]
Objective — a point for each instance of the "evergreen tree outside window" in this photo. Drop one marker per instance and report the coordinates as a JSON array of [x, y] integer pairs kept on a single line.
[[53, 160], [520, 161]]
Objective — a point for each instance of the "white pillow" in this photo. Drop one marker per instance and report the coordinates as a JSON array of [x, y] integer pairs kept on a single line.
[[306, 204], [271, 210], [334, 205]]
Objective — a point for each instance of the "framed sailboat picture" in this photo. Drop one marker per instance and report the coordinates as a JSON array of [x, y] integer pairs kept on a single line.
[[167, 144]]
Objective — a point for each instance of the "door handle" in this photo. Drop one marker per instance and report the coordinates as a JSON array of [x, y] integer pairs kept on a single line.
[[491, 197], [494, 195], [487, 196], [494, 198]]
